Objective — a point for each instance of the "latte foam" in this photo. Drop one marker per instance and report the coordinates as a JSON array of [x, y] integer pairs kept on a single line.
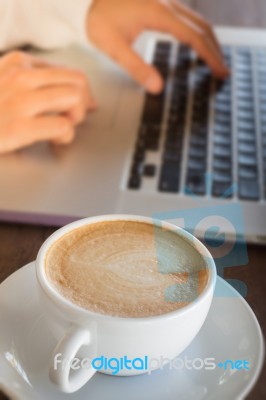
[[125, 269]]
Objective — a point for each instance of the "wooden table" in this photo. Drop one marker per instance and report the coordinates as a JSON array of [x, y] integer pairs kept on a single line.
[[19, 243]]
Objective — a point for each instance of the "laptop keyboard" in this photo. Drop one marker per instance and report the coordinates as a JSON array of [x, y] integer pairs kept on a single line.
[[198, 149], [169, 180], [205, 126]]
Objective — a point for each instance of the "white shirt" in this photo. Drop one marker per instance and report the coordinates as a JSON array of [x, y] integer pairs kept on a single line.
[[43, 23]]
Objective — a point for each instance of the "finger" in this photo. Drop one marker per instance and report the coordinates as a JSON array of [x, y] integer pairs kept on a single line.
[[26, 132], [55, 76], [119, 50], [197, 19], [52, 128], [15, 58], [60, 99], [164, 20], [64, 139], [20, 59], [49, 76]]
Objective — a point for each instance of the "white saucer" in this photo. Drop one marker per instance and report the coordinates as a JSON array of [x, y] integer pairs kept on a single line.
[[231, 331]]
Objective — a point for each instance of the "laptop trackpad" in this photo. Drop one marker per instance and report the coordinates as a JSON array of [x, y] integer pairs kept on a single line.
[[106, 88]]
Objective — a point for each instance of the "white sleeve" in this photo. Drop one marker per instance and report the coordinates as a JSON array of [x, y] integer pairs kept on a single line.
[[43, 23]]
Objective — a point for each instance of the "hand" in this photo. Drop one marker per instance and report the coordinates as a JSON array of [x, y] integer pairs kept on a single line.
[[113, 25], [39, 101]]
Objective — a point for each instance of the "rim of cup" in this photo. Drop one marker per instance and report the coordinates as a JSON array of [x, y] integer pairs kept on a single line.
[[61, 302]]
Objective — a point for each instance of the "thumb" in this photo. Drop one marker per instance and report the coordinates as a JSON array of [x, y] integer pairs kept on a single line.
[[148, 76]]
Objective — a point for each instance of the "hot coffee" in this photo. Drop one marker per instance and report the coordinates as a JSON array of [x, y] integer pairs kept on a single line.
[[126, 269]]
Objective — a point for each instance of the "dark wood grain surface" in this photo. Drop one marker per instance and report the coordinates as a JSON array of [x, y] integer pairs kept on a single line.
[[19, 243]]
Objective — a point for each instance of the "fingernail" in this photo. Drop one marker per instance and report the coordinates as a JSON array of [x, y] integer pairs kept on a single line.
[[222, 72], [153, 84]]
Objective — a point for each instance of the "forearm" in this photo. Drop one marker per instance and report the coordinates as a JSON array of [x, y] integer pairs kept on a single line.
[[43, 23]]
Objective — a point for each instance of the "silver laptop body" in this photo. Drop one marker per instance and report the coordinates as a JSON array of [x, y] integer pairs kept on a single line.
[[98, 173]]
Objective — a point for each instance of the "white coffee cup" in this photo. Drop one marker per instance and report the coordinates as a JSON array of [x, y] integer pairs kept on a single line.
[[87, 334]]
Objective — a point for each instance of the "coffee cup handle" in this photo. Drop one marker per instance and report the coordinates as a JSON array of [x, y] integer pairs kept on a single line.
[[66, 350]]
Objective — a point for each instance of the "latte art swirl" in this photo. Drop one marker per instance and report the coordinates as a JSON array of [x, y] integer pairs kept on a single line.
[[124, 268]]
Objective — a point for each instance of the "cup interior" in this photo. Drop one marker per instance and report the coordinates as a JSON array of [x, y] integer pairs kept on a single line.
[[62, 302]]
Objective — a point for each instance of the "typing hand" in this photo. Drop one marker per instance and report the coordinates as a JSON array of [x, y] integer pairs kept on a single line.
[[113, 25], [39, 101]]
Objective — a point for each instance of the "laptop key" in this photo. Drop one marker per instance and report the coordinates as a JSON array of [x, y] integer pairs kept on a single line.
[[224, 139], [173, 119], [178, 99], [161, 57], [262, 96], [219, 188], [139, 155], [160, 60], [163, 69], [221, 97], [222, 129], [197, 151], [174, 131], [134, 182], [243, 53], [195, 183], [163, 46], [244, 84], [248, 189], [180, 85], [247, 126], [246, 136], [247, 116], [200, 112], [171, 156], [248, 173], [222, 151], [141, 143], [199, 130], [248, 160], [223, 107], [174, 144], [200, 117], [183, 50], [169, 177], [195, 164], [152, 132], [247, 148], [222, 176], [244, 104], [227, 51], [198, 140], [223, 119], [243, 75], [149, 170], [242, 68], [222, 163], [152, 144], [226, 89], [263, 119], [243, 95], [153, 109], [136, 168]]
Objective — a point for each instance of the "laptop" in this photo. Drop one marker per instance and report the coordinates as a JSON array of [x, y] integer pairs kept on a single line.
[[197, 148]]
